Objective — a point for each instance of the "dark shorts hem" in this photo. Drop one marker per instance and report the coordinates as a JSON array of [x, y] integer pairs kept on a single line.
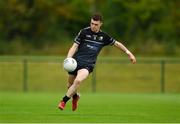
[[89, 68]]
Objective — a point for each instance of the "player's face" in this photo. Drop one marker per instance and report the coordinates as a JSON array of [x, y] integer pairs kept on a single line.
[[95, 25]]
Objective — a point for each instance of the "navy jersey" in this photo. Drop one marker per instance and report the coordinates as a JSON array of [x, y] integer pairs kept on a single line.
[[90, 44]]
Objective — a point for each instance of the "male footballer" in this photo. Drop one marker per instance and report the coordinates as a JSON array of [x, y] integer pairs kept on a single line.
[[85, 49]]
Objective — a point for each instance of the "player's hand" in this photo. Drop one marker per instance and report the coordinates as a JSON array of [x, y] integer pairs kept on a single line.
[[131, 57]]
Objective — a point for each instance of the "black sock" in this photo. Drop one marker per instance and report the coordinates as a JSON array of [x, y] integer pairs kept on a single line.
[[65, 98], [75, 95]]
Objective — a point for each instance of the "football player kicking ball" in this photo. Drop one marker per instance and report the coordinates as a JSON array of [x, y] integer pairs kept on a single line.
[[85, 49]]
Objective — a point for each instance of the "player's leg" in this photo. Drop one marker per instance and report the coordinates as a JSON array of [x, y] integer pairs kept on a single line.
[[76, 96], [82, 74], [71, 79]]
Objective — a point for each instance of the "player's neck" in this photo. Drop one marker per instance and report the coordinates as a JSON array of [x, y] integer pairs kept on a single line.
[[96, 31]]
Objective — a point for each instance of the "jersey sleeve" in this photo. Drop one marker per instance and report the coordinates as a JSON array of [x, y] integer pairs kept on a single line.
[[79, 37], [109, 40]]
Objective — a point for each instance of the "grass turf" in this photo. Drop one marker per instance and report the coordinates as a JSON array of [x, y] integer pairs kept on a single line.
[[98, 107]]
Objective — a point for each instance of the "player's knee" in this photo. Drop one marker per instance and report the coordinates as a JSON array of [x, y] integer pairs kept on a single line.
[[77, 81]]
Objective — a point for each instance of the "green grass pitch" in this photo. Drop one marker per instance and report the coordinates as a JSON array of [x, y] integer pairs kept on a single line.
[[93, 108]]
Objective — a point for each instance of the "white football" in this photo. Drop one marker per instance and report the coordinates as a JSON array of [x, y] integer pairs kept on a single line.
[[70, 64]]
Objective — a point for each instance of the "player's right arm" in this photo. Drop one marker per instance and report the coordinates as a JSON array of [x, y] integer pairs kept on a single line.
[[72, 50], [75, 45]]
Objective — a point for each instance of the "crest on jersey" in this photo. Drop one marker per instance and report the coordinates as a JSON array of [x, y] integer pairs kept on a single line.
[[101, 38]]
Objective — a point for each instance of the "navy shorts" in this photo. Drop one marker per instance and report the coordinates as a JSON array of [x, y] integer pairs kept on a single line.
[[80, 65]]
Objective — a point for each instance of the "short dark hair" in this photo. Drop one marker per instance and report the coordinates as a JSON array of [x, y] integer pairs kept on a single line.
[[97, 17]]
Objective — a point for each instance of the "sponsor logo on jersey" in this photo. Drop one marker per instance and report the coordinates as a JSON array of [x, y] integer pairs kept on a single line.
[[92, 47], [89, 36]]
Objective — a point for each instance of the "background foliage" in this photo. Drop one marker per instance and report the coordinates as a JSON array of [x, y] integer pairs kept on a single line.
[[151, 27]]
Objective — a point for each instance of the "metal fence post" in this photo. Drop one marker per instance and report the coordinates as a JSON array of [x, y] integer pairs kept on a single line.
[[162, 76], [25, 75], [94, 80]]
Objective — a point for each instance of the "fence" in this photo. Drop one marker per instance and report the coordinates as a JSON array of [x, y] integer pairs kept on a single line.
[[111, 74]]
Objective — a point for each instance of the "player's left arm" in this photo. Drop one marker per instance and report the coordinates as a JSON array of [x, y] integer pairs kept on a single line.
[[120, 46]]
